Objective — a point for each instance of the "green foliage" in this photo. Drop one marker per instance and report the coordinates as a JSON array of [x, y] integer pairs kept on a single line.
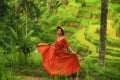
[[62, 13], [88, 37], [48, 38], [79, 48], [5, 74], [3, 9], [116, 25], [113, 52], [117, 9], [96, 21], [113, 42], [92, 1], [85, 22], [27, 7], [71, 20], [53, 5], [84, 12], [13, 65], [115, 1], [78, 0], [90, 69], [83, 4], [22, 41], [112, 75], [41, 18], [71, 30], [54, 20]]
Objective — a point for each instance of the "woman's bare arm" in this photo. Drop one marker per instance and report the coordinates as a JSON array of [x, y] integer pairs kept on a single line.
[[53, 44], [71, 49]]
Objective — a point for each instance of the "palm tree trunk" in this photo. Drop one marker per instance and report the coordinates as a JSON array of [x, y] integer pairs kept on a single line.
[[26, 17], [103, 29]]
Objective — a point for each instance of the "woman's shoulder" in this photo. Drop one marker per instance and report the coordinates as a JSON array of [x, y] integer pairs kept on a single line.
[[64, 38]]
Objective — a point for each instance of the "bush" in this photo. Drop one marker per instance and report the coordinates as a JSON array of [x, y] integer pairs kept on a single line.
[[111, 74], [106, 73], [91, 69], [5, 74]]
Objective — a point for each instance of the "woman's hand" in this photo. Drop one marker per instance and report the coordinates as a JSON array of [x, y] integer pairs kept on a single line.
[[81, 59], [53, 44], [71, 50], [42, 44], [74, 52]]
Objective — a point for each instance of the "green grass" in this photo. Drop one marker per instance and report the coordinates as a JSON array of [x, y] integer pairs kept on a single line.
[[34, 68], [6, 73], [13, 66]]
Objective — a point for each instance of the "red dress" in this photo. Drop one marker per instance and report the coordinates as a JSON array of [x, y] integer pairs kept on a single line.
[[56, 60]]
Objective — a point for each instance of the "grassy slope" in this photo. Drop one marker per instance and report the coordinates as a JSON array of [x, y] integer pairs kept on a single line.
[[91, 31], [81, 37]]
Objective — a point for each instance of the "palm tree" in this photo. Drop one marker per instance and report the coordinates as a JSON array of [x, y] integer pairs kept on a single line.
[[29, 8], [22, 42], [103, 29], [52, 5]]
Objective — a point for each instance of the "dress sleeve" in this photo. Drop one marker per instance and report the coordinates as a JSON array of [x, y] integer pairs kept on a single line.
[[65, 43]]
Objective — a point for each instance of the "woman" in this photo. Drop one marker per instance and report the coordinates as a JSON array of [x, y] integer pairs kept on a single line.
[[56, 60]]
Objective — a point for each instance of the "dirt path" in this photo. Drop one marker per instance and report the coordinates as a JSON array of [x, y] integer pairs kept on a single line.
[[32, 78], [40, 78]]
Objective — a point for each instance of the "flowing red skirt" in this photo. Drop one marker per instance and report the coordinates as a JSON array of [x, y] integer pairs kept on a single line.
[[58, 62]]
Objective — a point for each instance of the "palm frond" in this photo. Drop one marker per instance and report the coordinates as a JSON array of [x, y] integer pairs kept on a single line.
[[5, 43], [14, 33], [29, 34]]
